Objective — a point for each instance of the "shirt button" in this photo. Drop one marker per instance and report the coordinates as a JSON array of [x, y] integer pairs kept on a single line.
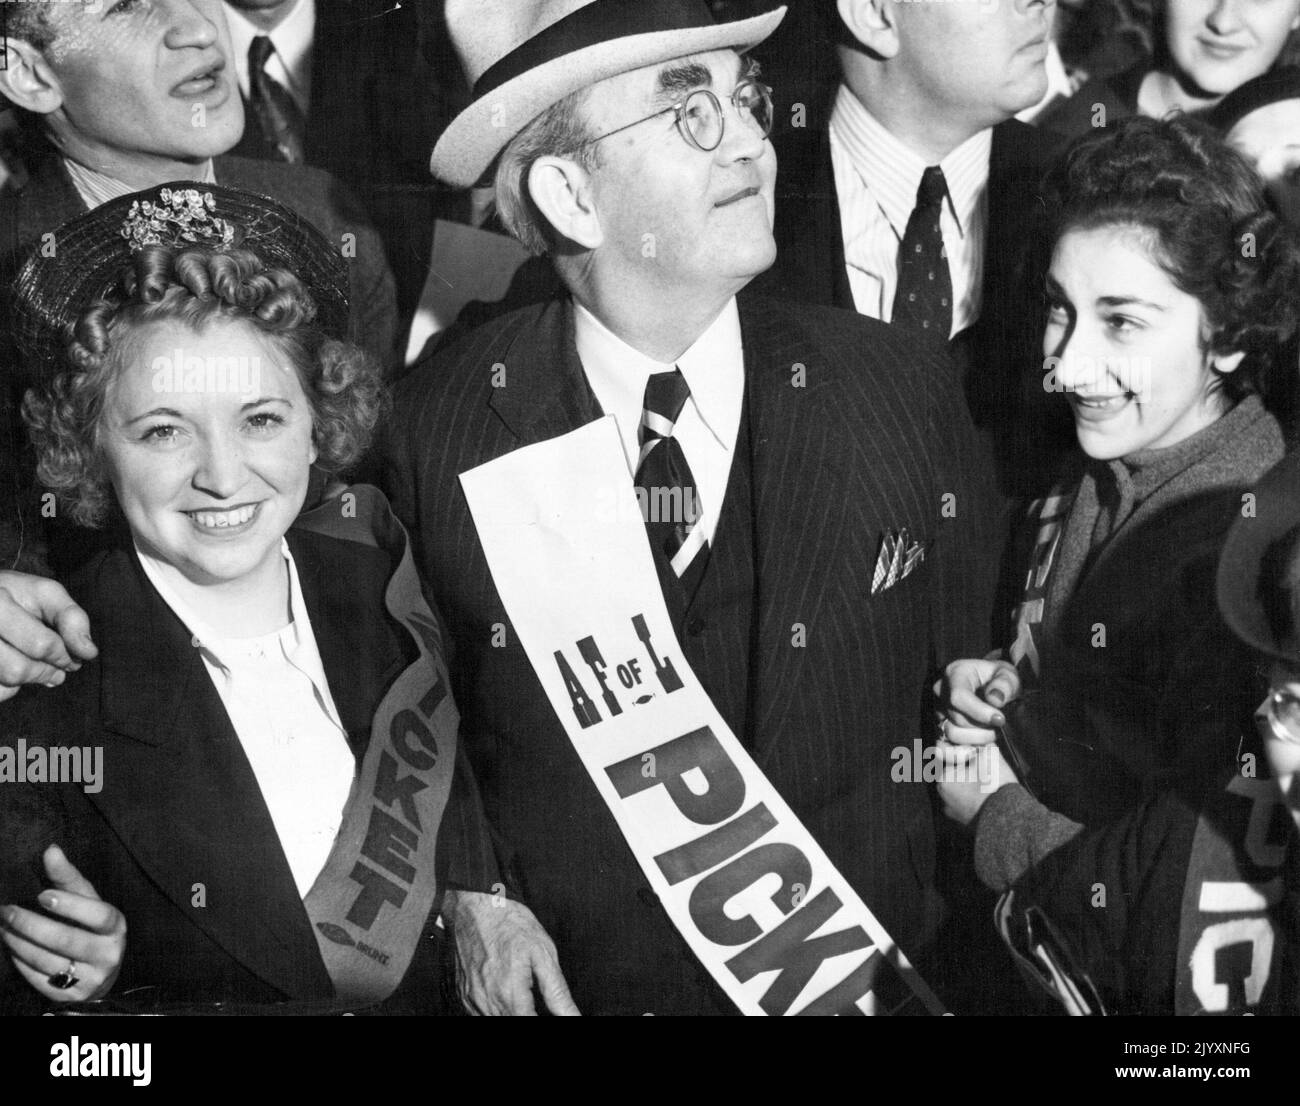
[[695, 627], [647, 896]]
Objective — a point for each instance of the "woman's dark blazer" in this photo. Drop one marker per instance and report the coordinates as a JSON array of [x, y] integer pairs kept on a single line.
[[179, 838]]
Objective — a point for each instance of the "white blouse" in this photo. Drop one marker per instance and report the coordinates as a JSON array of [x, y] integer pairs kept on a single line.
[[274, 690]]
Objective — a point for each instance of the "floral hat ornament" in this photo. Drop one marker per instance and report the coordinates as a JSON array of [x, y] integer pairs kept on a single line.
[[180, 215]]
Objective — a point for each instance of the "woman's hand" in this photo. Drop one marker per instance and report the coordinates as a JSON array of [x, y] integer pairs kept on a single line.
[[89, 944], [968, 776], [971, 694]]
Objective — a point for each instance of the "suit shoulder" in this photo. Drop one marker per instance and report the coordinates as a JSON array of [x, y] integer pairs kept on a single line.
[[1022, 150], [315, 192], [457, 365], [861, 343]]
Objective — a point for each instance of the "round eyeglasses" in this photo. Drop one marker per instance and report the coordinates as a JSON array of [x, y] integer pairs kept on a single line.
[[699, 116]]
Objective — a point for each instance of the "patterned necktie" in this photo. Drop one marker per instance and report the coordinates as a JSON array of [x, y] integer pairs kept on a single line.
[[277, 112], [924, 296], [670, 503]]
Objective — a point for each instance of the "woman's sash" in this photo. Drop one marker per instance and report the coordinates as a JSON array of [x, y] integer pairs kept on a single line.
[[369, 905]]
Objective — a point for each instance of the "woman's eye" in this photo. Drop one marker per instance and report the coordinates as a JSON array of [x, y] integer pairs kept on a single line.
[[161, 433], [1056, 312], [265, 420], [1121, 324]]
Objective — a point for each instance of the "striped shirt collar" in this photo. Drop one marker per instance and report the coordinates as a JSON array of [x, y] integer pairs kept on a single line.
[[97, 188], [892, 171]]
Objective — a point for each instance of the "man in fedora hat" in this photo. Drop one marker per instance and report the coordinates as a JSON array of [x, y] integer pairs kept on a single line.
[[115, 98], [838, 553], [629, 143]]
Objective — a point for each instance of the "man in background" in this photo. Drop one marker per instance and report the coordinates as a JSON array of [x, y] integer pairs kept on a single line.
[[113, 99]]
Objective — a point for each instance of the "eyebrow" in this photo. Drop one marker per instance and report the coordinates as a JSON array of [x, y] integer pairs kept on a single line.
[[676, 81], [157, 411], [1126, 301], [171, 413], [1054, 288]]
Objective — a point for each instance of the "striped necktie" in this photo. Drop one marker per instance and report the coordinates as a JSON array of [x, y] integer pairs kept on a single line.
[[670, 503]]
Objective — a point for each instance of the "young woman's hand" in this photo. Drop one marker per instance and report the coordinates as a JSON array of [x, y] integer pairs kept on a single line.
[[968, 776], [971, 694], [84, 943]]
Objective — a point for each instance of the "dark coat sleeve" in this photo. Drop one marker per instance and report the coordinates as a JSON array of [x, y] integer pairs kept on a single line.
[[969, 532]]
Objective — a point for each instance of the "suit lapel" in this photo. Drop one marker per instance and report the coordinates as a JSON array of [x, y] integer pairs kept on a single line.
[[544, 391], [359, 647], [178, 764], [800, 477]]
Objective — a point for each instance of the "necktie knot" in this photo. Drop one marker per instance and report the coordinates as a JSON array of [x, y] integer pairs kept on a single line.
[[259, 52], [665, 395], [933, 188]]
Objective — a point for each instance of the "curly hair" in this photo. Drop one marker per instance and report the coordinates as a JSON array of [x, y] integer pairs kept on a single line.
[[194, 286], [1202, 213]]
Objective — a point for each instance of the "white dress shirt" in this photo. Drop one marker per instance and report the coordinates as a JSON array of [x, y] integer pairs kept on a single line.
[[97, 188], [714, 367], [876, 180], [290, 65], [274, 690]]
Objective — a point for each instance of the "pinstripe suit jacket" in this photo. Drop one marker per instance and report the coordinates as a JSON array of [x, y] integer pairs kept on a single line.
[[873, 442]]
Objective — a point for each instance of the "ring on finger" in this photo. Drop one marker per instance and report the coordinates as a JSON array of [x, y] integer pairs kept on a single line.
[[65, 979]]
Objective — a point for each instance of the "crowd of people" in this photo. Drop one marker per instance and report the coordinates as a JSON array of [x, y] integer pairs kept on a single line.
[[962, 341]]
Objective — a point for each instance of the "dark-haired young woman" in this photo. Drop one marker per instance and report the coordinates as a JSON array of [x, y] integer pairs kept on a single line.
[[1124, 699]]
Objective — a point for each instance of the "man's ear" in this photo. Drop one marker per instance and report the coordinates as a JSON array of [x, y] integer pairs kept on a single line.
[[27, 79], [561, 189], [874, 23]]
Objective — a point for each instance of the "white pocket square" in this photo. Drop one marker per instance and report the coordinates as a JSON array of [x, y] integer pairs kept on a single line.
[[899, 555]]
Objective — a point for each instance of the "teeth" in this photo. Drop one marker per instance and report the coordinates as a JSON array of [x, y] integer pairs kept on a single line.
[[221, 520]]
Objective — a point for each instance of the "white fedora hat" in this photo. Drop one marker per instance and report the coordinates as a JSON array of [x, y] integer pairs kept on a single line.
[[524, 56]]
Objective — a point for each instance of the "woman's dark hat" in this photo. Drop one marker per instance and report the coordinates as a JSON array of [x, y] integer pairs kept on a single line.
[[1268, 88], [85, 258], [1260, 565]]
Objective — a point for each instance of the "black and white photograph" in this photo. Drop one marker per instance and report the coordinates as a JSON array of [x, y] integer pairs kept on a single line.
[[649, 508]]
